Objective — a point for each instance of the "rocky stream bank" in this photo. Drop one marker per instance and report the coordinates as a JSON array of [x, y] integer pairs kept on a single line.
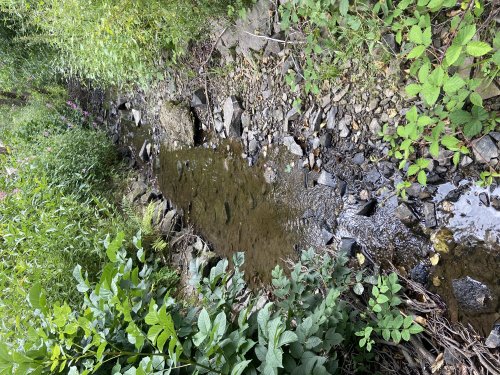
[[225, 154]]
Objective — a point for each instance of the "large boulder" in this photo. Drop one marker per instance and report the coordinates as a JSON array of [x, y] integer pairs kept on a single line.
[[177, 126]]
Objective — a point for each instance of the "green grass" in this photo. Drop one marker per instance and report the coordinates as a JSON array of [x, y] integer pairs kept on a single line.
[[53, 210]]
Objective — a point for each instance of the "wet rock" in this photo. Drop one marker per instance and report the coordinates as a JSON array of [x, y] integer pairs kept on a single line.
[[420, 273], [338, 97], [405, 214], [359, 158], [199, 99], [348, 246], [170, 223], [177, 126], [493, 339], [429, 211], [368, 209], [145, 152], [159, 212], [136, 115], [455, 194], [293, 146], [472, 296], [138, 190], [232, 117], [327, 179], [483, 197], [485, 149], [326, 140], [330, 118], [326, 237], [291, 115]]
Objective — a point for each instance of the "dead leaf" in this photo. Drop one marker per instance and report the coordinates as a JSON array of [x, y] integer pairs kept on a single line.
[[438, 363], [421, 320], [434, 259], [436, 281], [361, 258]]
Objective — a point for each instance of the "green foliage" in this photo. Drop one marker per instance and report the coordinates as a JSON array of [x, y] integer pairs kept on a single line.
[[452, 111], [127, 326], [53, 215], [114, 42]]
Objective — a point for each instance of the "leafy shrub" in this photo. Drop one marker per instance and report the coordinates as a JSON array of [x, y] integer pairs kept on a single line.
[[46, 225], [452, 113], [125, 326], [115, 41]]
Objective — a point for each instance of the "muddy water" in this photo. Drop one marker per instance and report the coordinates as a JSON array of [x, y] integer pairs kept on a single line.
[[230, 204], [470, 234]]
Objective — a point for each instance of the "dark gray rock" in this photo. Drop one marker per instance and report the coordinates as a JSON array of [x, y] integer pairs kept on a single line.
[[199, 99], [326, 140], [326, 237], [170, 223], [374, 126], [373, 175], [159, 211], [343, 126], [389, 41], [420, 273], [493, 339], [291, 115], [138, 190], [359, 158], [429, 211], [472, 295], [404, 214], [483, 197], [232, 117], [485, 149], [316, 120], [455, 194], [495, 202], [348, 246], [327, 179]]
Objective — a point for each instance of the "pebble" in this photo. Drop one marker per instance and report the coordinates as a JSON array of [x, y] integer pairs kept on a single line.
[[293, 146], [358, 159], [485, 149], [327, 179]]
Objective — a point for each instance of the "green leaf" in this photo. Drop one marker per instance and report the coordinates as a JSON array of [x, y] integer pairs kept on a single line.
[[153, 333], [465, 34], [416, 52], [413, 89], [456, 158], [114, 246], [407, 322], [416, 328], [427, 37], [452, 54], [473, 128], [386, 334], [312, 342], [396, 336], [412, 114], [477, 48], [434, 5], [422, 178], [460, 117], [476, 99], [413, 169], [453, 84], [377, 308], [344, 7], [287, 337], [204, 323], [434, 149], [405, 335], [450, 142], [382, 298], [240, 367], [423, 72], [437, 76], [36, 297], [415, 35], [162, 339], [430, 93], [83, 285], [424, 120]]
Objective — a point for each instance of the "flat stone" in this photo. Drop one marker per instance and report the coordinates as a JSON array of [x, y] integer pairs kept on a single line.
[[341, 94], [404, 214], [327, 179], [472, 295], [199, 99], [326, 140], [429, 212], [485, 149], [293, 146], [493, 339], [136, 115], [232, 117], [145, 152], [177, 126], [359, 158]]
